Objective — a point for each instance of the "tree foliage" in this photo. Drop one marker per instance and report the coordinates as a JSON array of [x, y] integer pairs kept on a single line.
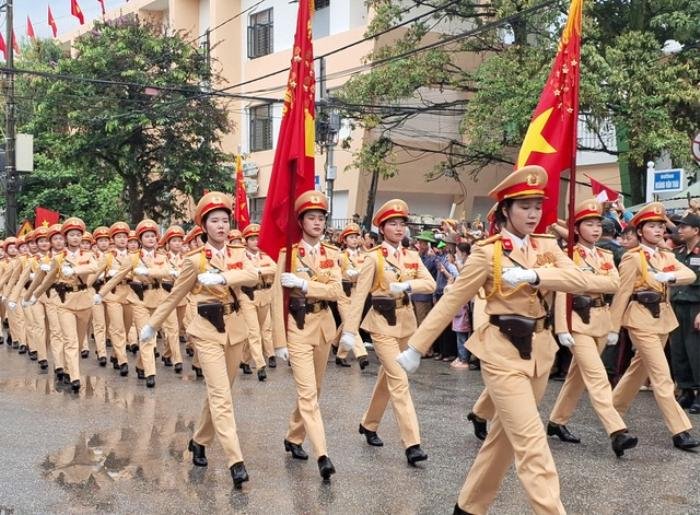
[[136, 141], [651, 98]]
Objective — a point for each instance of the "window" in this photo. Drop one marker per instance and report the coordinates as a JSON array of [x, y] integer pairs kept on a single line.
[[261, 128], [320, 4], [260, 34], [322, 19]]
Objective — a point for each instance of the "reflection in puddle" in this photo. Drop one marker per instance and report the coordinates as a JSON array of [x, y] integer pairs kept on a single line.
[[94, 387]]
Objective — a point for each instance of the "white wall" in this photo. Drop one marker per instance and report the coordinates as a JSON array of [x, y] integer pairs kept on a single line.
[[204, 16]]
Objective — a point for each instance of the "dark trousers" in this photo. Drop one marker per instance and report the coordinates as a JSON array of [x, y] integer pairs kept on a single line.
[[685, 346]]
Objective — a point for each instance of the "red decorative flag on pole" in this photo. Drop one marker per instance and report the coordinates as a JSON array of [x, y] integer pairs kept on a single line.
[[3, 47], [30, 29], [550, 140], [15, 46], [76, 11], [45, 217], [293, 166], [102, 4], [602, 192], [241, 214], [52, 23]]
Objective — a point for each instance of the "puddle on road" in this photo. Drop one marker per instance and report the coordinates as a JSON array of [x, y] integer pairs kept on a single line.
[[93, 387]]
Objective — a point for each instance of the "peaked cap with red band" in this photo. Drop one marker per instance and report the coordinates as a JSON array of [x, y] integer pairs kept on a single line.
[[211, 201], [147, 225], [54, 230], [310, 200], [100, 232], [251, 230], [87, 236], [526, 182], [351, 228], [395, 208], [652, 212], [585, 209], [73, 224], [119, 228], [41, 232], [174, 231], [193, 233]]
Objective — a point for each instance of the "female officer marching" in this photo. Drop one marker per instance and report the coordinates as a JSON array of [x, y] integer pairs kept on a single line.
[[213, 275], [516, 349], [389, 273]]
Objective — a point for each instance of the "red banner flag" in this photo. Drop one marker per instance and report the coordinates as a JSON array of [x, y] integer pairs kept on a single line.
[[293, 166], [15, 45], [602, 192], [551, 138], [76, 11], [3, 47], [102, 4], [45, 217], [52, 23], [30, 29], [241, 214]]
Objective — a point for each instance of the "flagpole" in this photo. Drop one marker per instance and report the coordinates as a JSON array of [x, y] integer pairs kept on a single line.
[[290, 233], [572, 195]]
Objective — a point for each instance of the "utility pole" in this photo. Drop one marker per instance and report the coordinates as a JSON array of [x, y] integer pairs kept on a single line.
[[327, 128], [11, 182]]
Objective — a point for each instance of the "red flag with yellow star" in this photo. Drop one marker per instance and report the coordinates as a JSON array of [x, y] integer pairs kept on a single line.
[[550, 140], [241, 214], [293, 166]]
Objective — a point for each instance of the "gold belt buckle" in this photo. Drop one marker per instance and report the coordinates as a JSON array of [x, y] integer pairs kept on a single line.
[[227, 309], [539, 325]]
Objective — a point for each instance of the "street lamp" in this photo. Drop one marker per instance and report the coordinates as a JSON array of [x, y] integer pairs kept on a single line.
[[327, 129]]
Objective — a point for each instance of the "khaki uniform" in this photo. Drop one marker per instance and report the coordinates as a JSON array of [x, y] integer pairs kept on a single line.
[[153, 296], [15, 316], [648, 334], [257, 311], [50, 308], [515, 385], [35, 316], [382, 266], [172, 334], [73, 314], [116, 302], [350, 260], [308, 347], [587, 369], [219, 353]]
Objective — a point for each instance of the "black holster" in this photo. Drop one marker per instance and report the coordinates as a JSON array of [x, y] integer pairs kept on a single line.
[[249, 292], [386, 307], [518, 330], [297, 308], [581, 304], [60, 291], [650, 300], [167, 286], [347, 287], [138, 289], [214, 313]]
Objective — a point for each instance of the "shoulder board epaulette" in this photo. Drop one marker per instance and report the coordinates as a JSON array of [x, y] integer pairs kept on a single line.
[[284, 249], [235, 245], [542, 235], [330, 246], [194, 252], [607, 251], [487, 241], [665, 249], [373, 249], [634, 249]]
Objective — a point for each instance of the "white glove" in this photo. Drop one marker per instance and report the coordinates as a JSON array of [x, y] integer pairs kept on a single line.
[[347, 341], [174, 273], [111, 273], [409, 360], [515, 276], [97, 299], [141, 270], [32, 275], [211, 279], [45, 267], [147, 332], [612, 338], [292, 281], [12, 305], [67, 271], [31, 301], [282, 353], [101, 277], [566, 340], [665, 277], [397, 288], [25, 304], [352, 273]]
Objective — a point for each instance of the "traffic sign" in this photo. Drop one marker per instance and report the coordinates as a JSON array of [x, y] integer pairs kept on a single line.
[[668, 181], [696, 147]]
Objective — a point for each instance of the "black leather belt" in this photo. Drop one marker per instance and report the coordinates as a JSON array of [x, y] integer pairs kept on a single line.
[[540, 323], [596, 302], [316, 307], [645, 297]]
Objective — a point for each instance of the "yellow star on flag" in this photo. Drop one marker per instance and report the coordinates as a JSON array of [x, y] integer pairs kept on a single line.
[[534, 141]]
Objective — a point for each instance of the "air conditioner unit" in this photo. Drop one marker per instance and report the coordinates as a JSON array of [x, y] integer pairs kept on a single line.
[[250, 169], [251, 186]]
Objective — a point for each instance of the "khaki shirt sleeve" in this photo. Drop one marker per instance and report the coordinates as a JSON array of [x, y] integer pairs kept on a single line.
[[116, 279], [23, 278], [473, 275], [629, 271], [247, 276], [560, 325], [329, 291], [362, 289], [279, 333], [182, 286], [424, 282], [684, 275], [565, 276], [48, 280]]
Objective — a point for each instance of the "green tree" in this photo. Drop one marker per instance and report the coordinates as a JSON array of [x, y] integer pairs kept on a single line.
[[651, 98], [141, 137]]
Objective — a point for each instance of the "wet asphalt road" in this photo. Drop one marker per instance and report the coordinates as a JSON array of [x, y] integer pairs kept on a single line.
[[120, 448]]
